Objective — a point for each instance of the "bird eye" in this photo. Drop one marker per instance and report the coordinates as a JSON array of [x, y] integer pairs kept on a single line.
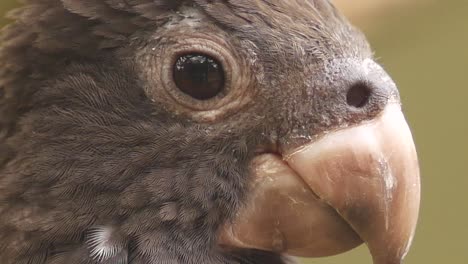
[[199, 76]]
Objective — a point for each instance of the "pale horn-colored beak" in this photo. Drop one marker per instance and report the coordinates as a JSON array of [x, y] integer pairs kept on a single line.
[[361, 184]]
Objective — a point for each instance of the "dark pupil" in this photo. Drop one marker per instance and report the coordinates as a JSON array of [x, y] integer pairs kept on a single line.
[[199, 75]]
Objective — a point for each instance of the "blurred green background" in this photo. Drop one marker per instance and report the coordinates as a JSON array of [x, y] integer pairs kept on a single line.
[[424, 46]]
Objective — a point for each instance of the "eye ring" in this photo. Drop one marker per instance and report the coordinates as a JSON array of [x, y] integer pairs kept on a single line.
[[208, 48], [156, 62]]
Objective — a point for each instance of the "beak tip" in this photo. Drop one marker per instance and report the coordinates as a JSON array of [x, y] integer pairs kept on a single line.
[[370, 175], [359, 184]]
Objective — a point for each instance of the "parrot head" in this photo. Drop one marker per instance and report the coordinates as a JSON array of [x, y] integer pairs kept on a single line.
[[158, 131]]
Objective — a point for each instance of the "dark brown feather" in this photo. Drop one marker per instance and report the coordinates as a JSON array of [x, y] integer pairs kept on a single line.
[[83, 144]]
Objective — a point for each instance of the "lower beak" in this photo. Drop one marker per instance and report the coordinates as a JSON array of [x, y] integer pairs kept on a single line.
[[359, 184]]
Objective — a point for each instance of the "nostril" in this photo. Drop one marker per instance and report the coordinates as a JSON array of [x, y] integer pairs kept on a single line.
[[358, 95]]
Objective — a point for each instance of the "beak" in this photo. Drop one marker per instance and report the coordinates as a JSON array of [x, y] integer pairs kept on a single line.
[[359, 184]]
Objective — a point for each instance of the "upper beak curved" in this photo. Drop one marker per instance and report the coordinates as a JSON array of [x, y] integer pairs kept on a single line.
[[370, 175], [358, 184]]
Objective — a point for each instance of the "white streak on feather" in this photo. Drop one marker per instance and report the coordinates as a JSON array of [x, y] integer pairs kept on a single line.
[[102, 243]]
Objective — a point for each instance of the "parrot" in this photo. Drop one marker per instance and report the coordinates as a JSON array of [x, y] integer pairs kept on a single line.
[[198, 131]]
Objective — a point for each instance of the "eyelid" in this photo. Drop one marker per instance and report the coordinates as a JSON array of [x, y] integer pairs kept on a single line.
[[222, 56], [157, 65]]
